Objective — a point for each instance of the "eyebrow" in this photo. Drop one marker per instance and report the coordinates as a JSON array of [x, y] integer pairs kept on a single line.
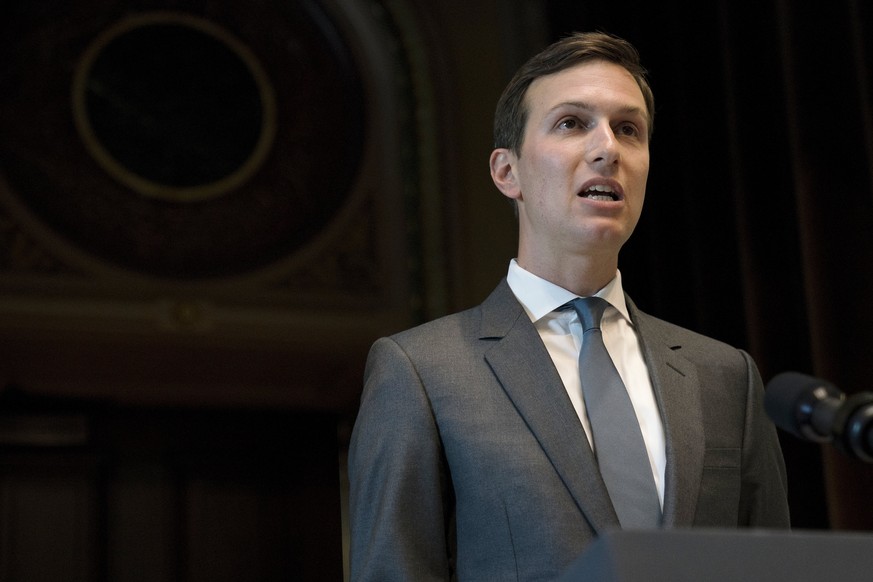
[[627, 109]]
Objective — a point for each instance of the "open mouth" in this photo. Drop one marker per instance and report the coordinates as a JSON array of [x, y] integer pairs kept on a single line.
[[600, 192]]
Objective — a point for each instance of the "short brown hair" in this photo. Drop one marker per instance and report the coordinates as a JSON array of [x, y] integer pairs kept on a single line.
[[511, 114]]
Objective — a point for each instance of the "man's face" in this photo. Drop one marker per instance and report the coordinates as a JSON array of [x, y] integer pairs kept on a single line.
[[580, 177]]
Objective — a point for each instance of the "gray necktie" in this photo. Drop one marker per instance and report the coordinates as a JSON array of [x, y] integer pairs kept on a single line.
[[618, 441]]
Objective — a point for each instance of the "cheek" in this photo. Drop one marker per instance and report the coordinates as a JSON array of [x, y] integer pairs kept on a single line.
[[640, 175], [545, 172]]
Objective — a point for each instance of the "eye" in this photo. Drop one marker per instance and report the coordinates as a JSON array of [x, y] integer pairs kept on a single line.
[[570, 123], [627, 130]]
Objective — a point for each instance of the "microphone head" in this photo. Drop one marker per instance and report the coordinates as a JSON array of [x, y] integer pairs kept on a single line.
[[790, 401]]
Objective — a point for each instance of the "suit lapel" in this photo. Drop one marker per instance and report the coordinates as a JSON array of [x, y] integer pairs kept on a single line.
[[524, 368], [674, 380]]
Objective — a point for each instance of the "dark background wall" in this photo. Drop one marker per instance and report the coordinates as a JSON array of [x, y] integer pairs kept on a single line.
[[209, 210]]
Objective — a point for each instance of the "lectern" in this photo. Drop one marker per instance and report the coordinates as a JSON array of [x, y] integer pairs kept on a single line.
[[694, 555]]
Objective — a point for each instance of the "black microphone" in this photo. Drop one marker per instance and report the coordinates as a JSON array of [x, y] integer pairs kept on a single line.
[[815, 410]]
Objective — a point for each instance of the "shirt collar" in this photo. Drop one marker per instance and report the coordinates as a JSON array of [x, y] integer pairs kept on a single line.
[[539, 297]]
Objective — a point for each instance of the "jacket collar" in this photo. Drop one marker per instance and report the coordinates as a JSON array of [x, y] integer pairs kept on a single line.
[[677, 390], [525, 370]]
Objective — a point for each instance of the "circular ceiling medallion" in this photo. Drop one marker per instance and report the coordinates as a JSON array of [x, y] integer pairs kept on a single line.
[[181, 140], [174, 106]]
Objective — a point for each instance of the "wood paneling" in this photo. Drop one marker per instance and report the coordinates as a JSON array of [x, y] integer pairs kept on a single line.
[[167, 494]]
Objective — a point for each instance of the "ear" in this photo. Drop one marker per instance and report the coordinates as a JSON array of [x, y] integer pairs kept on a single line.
[[503, 173]]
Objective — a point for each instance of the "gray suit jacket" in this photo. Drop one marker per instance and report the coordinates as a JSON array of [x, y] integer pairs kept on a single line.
[[467, 459]]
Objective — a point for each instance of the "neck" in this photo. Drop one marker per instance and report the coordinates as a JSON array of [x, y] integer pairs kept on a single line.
[[583, 275]]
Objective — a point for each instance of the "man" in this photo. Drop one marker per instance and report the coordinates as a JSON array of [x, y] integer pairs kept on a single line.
[[475, 455]]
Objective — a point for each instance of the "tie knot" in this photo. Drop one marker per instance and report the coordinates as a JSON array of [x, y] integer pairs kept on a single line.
[[590, 310]]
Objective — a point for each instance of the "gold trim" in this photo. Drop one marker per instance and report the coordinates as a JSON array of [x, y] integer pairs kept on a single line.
[[137, 182]]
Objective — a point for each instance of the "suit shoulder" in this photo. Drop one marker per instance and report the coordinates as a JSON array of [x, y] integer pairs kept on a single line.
[[690, 342], [440, 346], [453, 327]]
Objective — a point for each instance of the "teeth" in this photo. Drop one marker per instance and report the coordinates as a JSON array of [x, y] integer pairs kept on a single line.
[[600, 192]]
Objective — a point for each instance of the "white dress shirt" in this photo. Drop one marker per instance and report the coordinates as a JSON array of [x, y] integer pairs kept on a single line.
[[561, 332]]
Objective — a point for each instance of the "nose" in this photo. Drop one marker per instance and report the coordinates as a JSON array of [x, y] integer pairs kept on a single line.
[[603, 147]]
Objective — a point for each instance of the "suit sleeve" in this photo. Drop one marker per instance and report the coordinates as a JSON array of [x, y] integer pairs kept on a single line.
[[763, 497], [399, 490]]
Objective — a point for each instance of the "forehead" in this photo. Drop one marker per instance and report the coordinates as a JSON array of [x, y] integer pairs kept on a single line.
[[595, 82]]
